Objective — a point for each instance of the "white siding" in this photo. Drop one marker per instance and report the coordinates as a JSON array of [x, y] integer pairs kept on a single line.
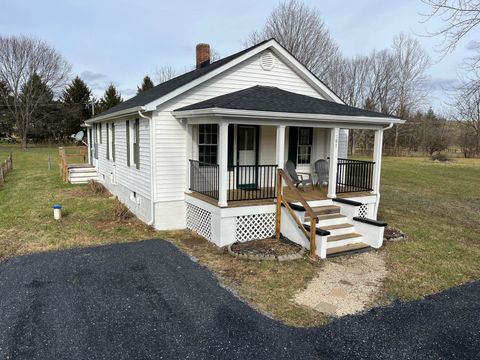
[[170, 153], [267, 146], [343, 143], [121, 179]]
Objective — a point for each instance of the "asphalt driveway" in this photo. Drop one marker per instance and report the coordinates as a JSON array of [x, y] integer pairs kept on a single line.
[[147, 300]]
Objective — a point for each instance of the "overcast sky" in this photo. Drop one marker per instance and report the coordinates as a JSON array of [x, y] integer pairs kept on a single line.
[[120, 41]]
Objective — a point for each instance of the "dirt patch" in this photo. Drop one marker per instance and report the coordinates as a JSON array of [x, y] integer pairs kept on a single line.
[[345, 286], [265, 247]]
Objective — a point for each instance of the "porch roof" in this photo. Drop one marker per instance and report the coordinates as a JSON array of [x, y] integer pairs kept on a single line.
[[272, 100]]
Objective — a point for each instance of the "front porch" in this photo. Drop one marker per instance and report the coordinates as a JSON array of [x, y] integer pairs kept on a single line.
[[237, 147], [242, 206]]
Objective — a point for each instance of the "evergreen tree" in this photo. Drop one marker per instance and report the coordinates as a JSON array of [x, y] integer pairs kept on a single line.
[[76, 98], [6, 120], [46, 119], [111, 98], [146, 85]]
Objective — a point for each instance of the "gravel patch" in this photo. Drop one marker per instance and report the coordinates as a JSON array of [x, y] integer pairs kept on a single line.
[[345, 286]]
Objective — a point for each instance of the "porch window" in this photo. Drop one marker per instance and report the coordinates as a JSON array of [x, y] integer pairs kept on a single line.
[[304, 151], [207, 143]]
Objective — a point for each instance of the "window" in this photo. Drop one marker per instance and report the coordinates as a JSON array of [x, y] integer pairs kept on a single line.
[[207, 143], [113, 142], [136, 144], [127, 136], [95, 143], [108, 142], [100, 133], [304, 151]]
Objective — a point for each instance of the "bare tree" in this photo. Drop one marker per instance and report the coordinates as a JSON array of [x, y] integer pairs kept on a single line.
[[410, 64], [301, 31], [165, 73], [22, 59], [459, 18], [467, 107]]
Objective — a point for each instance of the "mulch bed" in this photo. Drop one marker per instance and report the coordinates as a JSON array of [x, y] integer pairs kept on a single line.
[[392, 233], [265, 247]]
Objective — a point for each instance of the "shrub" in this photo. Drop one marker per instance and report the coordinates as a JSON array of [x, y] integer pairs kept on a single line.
[[440, 157], [97, 188], [120, 211]]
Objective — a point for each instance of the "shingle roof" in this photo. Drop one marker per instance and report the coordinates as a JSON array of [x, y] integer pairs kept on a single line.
[[168, 86], [267, 98]]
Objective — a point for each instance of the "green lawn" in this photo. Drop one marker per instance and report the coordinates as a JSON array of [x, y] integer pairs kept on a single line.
[[437, 205], [26, 218]]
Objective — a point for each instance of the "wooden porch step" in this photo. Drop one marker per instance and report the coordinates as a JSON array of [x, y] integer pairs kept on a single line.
[[348, 249], [336, 227], [327, 217], [327, 209], [343, 237]]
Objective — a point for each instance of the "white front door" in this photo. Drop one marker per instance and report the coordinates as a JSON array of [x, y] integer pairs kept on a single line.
[[247, 156], [247, 147]]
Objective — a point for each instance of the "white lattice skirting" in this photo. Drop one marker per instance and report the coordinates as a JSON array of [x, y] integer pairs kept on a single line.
[[252, 227], [199, 220], [363, 211]]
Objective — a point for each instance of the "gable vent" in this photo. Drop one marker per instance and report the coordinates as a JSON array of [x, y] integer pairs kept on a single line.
[[267, 61]]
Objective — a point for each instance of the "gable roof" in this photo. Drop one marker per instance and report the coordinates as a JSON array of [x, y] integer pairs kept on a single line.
[[273, 99], [167, 87]]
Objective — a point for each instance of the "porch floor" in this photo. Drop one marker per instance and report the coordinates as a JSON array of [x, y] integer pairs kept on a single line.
[[309, 195]]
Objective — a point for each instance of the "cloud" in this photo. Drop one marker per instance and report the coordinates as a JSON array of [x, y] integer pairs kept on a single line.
[[92, 76], [441, 83], [473, 45]]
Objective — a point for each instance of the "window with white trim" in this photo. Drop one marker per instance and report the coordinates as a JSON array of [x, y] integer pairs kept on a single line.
[[207, 143], [304, 150]]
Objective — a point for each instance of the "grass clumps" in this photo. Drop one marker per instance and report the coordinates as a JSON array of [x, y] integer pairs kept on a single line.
[[97, 188], [121, 211]]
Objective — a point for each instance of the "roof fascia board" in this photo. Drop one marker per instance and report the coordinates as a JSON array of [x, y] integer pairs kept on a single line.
[[115, 115], [285, 116], [277, 122]]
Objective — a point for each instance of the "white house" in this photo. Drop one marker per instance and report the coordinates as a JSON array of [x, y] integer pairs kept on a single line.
[[201, 151]]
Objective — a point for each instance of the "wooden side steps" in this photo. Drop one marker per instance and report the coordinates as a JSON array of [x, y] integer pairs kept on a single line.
[[343, 237]]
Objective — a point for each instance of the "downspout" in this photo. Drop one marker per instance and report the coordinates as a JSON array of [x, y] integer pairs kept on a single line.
[[388, 127], [152, 166], [377, 202]]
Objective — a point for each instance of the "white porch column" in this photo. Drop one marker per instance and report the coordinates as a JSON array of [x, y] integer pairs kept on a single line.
[[280, 144], [189, 129], [377, 157], [222, 164], [332, 172]]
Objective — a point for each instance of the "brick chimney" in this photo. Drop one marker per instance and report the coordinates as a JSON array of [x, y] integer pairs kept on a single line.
[[203, 55]]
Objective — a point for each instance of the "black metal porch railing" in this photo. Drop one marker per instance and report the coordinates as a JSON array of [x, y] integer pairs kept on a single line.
[[354, 175], [251, 182], [204, 178]]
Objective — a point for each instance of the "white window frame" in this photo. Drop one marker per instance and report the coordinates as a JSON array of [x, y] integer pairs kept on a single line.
[[305, 146]]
